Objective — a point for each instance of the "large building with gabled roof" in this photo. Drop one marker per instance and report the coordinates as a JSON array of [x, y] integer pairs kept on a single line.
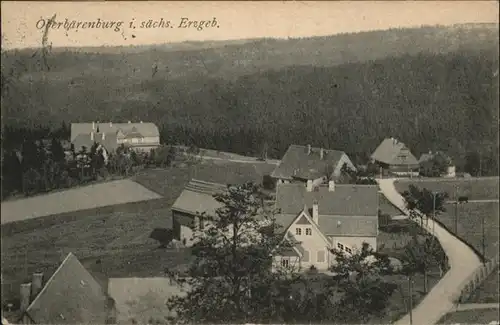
[[140, 136], [317, 219], [302, 163], [393, 156]]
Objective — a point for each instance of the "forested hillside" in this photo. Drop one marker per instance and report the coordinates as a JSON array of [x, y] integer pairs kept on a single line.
[[445, 97]]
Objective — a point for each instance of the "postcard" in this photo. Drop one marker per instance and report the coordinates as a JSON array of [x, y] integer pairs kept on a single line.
[[241, 162]]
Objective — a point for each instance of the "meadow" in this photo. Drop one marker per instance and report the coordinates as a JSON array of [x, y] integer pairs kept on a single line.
[[472, 219], [474, 188], [478, 316], [112, 241], [467, 220], [488, 291]]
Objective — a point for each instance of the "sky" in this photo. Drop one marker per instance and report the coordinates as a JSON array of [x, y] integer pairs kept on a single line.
[[24, 23]]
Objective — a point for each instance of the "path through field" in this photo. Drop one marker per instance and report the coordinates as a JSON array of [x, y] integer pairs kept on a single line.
[[463, 262], [82, 198]]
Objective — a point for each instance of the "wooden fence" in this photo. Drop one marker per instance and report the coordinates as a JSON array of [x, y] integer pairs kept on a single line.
[[475, 280]]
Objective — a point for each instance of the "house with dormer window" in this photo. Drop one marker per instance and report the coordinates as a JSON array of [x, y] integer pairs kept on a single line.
[[319, 218], [138, 136]]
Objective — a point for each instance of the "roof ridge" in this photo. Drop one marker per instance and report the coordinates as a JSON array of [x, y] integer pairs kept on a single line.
[[66, 259]]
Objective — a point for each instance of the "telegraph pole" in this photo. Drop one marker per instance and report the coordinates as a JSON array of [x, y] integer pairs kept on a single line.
[[456, 209], [483, 242], [410, 289], [433, 212], [480, 167]]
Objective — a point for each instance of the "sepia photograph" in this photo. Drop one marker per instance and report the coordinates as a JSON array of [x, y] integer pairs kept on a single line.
[[250, 162]]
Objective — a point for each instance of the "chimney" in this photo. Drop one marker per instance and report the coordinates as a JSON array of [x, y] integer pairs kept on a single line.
[[103, 135], [308, 149], [309, 185], [93, 126], [92, 136], [331, 186], [321, 153], [36, 284], [315, 212], [110, 124], [25, 299]]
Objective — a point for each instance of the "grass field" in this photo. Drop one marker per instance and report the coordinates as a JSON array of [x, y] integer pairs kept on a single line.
[[478, 316], [470, 225], [116, 235], [473, 188], [82, 198], [488, 291]]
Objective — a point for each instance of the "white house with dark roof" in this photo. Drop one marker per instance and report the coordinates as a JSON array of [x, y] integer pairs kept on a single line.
[[319, 218], [395, 157], [302, 163], [140, 136]]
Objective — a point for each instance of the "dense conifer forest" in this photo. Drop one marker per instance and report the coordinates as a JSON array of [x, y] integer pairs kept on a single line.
[[444, 97]]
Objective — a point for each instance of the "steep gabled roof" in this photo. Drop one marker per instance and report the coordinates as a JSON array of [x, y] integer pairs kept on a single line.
[[394, 152], [70, 296], [349, 210], [298, 163]]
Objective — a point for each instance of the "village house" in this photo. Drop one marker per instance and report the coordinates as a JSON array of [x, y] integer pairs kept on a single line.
[[314, 217], [138, 136], [70, 296], [196, 199], [427, 160], [393, 157], [301, 163], [317, 219]]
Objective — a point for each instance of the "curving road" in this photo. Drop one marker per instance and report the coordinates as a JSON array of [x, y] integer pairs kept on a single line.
[[463, 262]]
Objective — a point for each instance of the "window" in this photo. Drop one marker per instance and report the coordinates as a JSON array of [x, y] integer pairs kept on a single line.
[[298, 231], [347, 249], [309, 231], [340, 246], [305, 256], [285, 262], [321, 256]]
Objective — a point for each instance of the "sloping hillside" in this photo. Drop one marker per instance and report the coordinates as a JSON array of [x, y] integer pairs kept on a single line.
[[232, 58], [433, 88]]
